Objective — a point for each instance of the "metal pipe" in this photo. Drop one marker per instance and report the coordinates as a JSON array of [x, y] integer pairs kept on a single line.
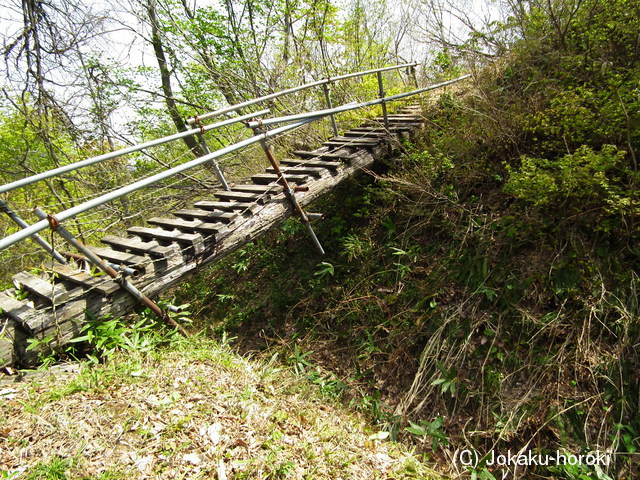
[[288, 191], [302, 120], [349, 106], [100, 263], [216, 166], [327, 96], [318, 114], [271, 96], [381, 94], [132, 272], [4, 207], [108, 197], [123, 151]]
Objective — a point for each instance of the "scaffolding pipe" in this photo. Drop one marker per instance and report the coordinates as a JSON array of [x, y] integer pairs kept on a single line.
[[289, 91], [54, 224], [123, 151], [288, 191], [348, 106], [108, 197], [327, 96], [383, 101], [299, 120], [4, 207]]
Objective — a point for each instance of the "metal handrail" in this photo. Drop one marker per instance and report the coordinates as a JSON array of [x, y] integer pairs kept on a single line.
[[195, 131], [350, 106], [23, 182], [297, 120], [271, 96]]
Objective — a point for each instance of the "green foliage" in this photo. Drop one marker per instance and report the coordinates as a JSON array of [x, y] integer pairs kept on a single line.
[[584, 179], [325, 269], [448, 381], [55, 469], [106, 336], [431, 429]]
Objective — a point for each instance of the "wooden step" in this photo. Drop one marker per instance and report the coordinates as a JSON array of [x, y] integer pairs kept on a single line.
[[18, 310], [392, 128], [404, 115], [211, 216], [343, 139], [224, 206], [271, 177], [50, 292], [323, 155], [103, 284], [138, 246], [185, 239], [350, 144], [189, 226], [120, 258], [411, 120], [242, 197], [312, 163], [259, 189], [293, 172], [373, 135]]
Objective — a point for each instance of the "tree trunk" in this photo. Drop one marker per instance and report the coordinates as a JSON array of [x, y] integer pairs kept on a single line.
[[165, 76]]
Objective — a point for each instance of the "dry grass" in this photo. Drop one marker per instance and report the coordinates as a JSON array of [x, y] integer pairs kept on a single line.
[[197, 411]]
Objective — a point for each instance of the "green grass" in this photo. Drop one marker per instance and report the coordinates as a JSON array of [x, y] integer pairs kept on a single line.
[[191, 410]]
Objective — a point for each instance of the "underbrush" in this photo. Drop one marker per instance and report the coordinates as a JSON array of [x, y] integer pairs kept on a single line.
[[455, 312]]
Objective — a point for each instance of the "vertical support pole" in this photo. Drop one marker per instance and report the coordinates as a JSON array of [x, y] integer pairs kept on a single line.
[[4, 207], [205, 148], [54, 224], [382, 94], [327, 96], [288, 191]]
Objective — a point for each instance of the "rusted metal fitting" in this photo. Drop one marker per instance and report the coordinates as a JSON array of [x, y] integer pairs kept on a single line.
[[54, 223], [300, 188]]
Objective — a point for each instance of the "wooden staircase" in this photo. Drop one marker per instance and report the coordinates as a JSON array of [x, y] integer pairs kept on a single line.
[[52, 305]]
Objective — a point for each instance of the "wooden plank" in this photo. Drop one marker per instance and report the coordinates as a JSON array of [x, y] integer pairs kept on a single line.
[[120, 258], [242, 197], [293, 172], [267, 178], [102, 284], [224, 206], [405, 120], [189, 239], [138, 246], [313, 163], [11, 336], [50, 292], [259, 189], [190, 226], [15, 309], [344, 139], [322, 155], [350, 144], [392, 128], [213, 216], [364, 135]]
